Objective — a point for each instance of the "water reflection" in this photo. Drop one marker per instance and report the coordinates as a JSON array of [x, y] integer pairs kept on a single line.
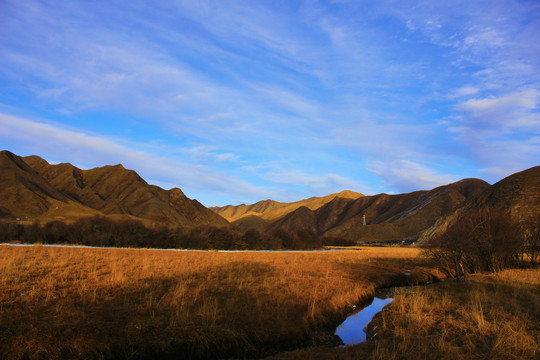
[[351, 331]]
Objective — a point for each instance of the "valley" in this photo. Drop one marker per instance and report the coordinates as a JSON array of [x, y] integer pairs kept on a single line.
[[91, 268], [273, 180], [32, 190]]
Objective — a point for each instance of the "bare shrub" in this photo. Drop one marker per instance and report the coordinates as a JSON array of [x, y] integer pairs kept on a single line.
[[530, 230], [486, 240]]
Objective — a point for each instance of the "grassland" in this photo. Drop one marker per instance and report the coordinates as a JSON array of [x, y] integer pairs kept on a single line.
[[493, 316], [69, 303], [87, 303]]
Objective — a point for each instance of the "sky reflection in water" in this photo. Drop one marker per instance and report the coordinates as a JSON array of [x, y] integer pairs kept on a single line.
[[351, 331]]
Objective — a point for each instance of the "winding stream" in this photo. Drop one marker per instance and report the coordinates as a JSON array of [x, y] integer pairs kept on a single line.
[[352, 330]]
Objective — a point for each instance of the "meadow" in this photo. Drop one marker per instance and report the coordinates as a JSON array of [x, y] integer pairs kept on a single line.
[[89, 303], [490, 316], [92, 303]]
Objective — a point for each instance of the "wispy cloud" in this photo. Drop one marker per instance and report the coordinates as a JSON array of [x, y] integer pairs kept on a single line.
[[319, 185], [517, 113], [421, 89], [466, 90], [500, 131], [500, 150], [92, 150], [406, 176], [527, 99], [206, 154]]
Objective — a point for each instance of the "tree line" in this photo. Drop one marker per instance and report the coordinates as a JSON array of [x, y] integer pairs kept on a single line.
[[486, 240], [105, 232]]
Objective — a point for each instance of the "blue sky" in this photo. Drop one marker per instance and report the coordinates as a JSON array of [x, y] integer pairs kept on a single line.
[[239, 101]]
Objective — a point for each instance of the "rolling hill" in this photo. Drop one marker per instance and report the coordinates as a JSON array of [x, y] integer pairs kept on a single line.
[[271, 210], [388, 217]]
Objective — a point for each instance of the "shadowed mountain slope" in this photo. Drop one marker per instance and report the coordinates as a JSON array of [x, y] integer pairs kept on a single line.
[[388, 217], [302, 218], [519, 193], [108, 190], [394, 217], [252, 222], [270, 210], [25, 194]]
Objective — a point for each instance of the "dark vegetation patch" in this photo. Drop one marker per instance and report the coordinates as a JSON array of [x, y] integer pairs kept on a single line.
[[105, 232]]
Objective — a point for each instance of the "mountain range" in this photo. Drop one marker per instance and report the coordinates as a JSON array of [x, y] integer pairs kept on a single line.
[[32, 189], [387, 217]]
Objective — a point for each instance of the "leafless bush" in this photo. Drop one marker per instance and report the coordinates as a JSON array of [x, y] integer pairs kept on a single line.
[[486, 240]]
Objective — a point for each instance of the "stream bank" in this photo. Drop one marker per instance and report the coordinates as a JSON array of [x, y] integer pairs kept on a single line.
[[330, 337]]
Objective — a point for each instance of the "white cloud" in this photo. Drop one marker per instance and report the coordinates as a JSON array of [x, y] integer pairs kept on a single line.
[[208, 154], [526, 99], [93, 150], [465, 91], [499, 150], [497, 119], [407, 175], [484, 37], [318, 185], [263, 82]]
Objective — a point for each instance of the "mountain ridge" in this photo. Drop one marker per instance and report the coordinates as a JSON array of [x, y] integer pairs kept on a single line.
[[109, 190], [519, 193], [271, 210], [33, 189], [388, 217]]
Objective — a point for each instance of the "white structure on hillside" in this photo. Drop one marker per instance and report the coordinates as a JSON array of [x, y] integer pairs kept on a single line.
[[364, 218]]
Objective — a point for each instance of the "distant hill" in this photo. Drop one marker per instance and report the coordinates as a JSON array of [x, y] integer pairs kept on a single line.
[[33, 188], [395, 217], [300, 219], [388, 217], [252, 222], [271, 210], [518, 193]]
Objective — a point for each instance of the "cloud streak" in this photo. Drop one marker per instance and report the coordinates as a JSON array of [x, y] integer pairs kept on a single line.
[[407, 176], [281, 99], [91, 150]]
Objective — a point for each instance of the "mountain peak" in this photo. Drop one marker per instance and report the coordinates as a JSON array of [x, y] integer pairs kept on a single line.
[[272, 210], [108, 190], [348, 194]]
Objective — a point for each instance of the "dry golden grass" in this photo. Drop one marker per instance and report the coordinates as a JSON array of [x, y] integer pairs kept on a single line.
[[488, 317], [65, 303]]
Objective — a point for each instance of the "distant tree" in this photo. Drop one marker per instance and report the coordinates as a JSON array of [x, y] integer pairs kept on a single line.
[[33, 233], [336, 241], [288, 240], [308, 239], [530, 230], [10, 231], [253, 239], [449, 251], [496, 241], [55, 232]]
